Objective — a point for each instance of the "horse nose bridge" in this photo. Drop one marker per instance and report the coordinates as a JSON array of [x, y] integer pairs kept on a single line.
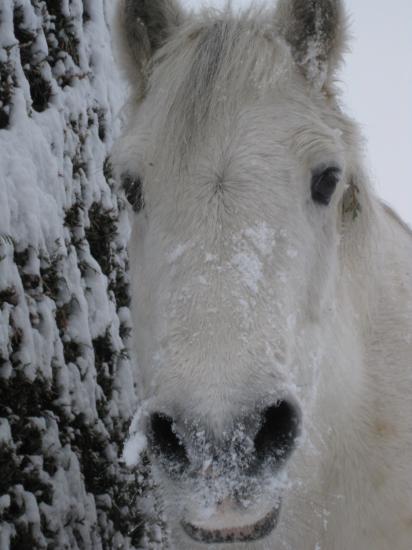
[[215, 324]]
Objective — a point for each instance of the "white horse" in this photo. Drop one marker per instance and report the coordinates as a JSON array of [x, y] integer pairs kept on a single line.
[[272, 291]]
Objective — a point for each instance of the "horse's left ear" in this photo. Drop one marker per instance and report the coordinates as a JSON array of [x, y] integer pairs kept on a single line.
[[316, 32]]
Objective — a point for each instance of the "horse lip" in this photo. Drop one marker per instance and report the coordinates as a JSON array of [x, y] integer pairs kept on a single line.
[[246, 533]]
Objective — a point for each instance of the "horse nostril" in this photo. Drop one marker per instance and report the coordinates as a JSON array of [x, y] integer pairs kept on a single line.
[[278, 431], [165, 440]]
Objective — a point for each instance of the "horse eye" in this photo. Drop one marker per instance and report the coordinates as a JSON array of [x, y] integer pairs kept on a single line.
[[133, 189], [324, 183]]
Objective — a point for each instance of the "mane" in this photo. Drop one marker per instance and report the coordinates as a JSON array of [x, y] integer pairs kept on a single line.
[[212, 62]]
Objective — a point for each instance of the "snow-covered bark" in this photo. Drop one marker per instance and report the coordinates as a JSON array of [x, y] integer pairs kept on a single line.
[[67, 387]]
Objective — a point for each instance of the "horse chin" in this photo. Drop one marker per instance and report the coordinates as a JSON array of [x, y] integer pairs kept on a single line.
[[230, 525]]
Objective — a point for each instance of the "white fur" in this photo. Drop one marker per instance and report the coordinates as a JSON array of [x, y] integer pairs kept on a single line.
[[245, 291]]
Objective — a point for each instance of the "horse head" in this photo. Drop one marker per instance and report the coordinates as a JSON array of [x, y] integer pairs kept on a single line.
[[240, 170]]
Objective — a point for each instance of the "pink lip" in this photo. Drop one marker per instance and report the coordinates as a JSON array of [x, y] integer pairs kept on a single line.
[[246, 533]]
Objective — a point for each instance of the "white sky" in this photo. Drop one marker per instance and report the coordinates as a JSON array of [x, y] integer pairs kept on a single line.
[[377, 85]]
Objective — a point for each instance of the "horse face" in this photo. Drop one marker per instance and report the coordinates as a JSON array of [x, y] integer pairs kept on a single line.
[[234, 258]]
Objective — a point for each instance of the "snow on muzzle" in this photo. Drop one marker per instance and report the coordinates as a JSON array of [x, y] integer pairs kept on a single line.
[[229, 476]]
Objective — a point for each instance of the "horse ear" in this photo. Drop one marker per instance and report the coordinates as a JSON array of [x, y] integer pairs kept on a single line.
[[316, 32], [142, 27]]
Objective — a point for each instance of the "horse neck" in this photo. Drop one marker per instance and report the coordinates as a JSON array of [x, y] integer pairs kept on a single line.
[[377, 259], [392, 312], [376, 290], [379, 292]]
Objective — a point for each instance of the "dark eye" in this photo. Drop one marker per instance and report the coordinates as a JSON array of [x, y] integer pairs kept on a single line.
[[133, 189], [324, 182]]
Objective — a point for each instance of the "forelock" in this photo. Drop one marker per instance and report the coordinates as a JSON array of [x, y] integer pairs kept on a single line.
[[211, 66]]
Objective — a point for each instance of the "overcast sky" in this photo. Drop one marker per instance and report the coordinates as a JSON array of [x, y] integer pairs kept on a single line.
[[377, 85]]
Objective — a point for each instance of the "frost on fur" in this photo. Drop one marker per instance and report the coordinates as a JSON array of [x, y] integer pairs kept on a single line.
[[316, 32]]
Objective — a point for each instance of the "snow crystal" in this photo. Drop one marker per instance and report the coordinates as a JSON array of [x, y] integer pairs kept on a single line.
[[133, 449], [177, 252], [137, 441], [250, 269], [263, 237], [5, 431]]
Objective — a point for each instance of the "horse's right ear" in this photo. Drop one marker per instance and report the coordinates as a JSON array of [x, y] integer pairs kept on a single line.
[[142, 27], [316, 31]]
